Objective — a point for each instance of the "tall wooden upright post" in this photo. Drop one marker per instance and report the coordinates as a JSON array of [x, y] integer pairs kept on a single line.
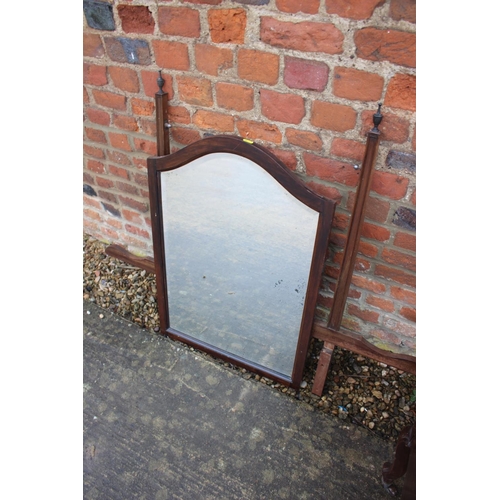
[[162, 125], [350, 251]]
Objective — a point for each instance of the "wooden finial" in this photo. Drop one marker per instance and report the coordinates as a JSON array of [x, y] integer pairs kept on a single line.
[[160, 82], [377, 118]]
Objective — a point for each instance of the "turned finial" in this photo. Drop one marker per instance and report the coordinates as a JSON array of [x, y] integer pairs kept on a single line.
[[160, 82], [377, 118]]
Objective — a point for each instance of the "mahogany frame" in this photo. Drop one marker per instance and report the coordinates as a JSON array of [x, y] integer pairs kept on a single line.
[[274, 167]]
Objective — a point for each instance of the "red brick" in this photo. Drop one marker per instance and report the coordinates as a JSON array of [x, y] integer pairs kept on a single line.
[[110, 233], [114, 223], [256, 130], [293, 6], [95, 152], [258, 66], [135, 204], [86, 98], [179, 114], [357, 85], [380, 303], [88, 179], [368, 284], [124, 78], [304, 36], [136, 19], [397, 275], [119, 141], [92, 45], [288, 158], [364, 314], [125, 122], [106, 195], [288, 108], [367, 249], [405, 240], [171, 55], [150, 85], [201, 2], [94, 75], [95, 166], [394, 46], [330, 170], [327, 191], [402, 92], [213, 121], [142, 107], [96, 135], [137, 231], [393, 128], [409, 313], [197, 91], [90, 213], [179, 21], [91, 202], [109, 100], [403, 10], [146, 146], [374, 232], [399, 327], [118, 172], [148, 127], [399, 259], [212, 60], [353, 9], [408, 296], [333, 116], [104, 182], [348, 148], [305, 74], [141, 179], [390, 185], [184, 135], [304, 139], [233, 96], [227, 25], [132, 216], [127, 188], [98, 116], [376, 210], [117, 157], [129, 240], [340, 221], [350, 324]]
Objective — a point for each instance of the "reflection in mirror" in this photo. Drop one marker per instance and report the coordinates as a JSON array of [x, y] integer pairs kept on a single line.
[[238, 252]]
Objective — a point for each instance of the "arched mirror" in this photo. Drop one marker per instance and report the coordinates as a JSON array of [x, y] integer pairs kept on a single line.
[[239, 247]]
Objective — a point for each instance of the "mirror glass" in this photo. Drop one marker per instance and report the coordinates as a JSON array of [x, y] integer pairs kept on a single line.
[[238, 251]]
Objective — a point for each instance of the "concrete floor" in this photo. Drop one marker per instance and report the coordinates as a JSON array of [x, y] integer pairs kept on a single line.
[[163, 422]]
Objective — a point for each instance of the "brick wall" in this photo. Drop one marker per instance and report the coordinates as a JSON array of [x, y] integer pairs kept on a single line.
[[301, 77]]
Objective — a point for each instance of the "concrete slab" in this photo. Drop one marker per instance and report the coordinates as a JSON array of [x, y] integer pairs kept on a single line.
[[163, 422]]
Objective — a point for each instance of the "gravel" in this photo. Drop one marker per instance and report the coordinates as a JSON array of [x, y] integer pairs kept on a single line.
[[357, 389]]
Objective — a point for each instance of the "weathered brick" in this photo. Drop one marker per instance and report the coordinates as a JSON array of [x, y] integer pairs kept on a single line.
[[119, 141], [364, 314], [124, 78], [137, 231], [401, 160], [288, 108], [127, 188], [95, 152], [128, 50], [197, 91], [179, 21], [353, 9], [96, 135], [406, 218], [185, 135], [288, 158], [234, 96], [227, 25], [202, 2], [403, 10], [92, 214], [256, 130], [118, 172], [142, 107], [331, 116], [104, 182], [327, 191], [393, 128], [106, 195], [393, 274], [131, 216], [330, 170], [403, 295], [171, 55], [389, 185], [253, 2], [375, 209], [409, 313], [98, 116], [212, 60], [99, 15], [386, 336], [304, 139], [399, 327], [117, 157], [136, 19], [179, 114], [402, 92], [95, 166], [213, 121], [148, 127], [258, 66], [150, 85], [381, 303], [394, 46], [357, 85], [374, 232], [405, 240], [148, 147], [399, 259], [305, 36], [293, 6], [348, 148], [92, 45], [367, 249], [94, 75], [140, 206], [305, 74], [125, 122], [109, 99]]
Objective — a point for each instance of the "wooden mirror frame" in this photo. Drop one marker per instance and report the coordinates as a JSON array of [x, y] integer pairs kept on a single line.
[[278, 171]]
